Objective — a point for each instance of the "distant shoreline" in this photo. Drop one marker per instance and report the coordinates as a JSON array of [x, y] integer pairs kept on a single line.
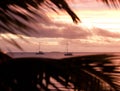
[[56, 55]]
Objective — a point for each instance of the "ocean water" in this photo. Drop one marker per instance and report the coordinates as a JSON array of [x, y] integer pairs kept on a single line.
[[56, 55], [60, 55]]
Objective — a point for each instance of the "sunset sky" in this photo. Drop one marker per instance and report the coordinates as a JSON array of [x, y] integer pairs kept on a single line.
[[98, 32]]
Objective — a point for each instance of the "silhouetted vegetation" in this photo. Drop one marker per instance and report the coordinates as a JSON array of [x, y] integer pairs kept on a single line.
[[86, 73], [81, 73], [14, 14], [12, 11]]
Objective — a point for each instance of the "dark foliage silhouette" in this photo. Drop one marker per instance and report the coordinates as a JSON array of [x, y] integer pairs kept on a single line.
[[10, 17], [86, 73], [14, 14], [113, 3], [4, 58]]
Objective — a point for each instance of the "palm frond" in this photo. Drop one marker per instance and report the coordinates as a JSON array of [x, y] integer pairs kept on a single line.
[[8, 11], [85, 73], [16, 15], [4, 58], [113, 3]]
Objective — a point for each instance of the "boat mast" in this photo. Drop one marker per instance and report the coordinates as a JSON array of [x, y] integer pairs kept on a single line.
[[39, 49], [39, 46], [67, 46]]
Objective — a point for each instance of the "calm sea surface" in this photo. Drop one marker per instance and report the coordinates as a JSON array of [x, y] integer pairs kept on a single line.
[[60, 55], [55, 54]]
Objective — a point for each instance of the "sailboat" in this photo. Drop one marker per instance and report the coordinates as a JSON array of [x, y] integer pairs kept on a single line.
[[68, 53], [39, 52]]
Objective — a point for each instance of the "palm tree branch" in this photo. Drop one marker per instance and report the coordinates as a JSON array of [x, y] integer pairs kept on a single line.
[[114, 3], [105, 72], [106, 79]]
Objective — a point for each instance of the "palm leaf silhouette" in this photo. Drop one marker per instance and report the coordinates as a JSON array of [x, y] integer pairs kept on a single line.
[[87, 73], [8, 13], [15, 13], [114, 3], [8, 18]]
